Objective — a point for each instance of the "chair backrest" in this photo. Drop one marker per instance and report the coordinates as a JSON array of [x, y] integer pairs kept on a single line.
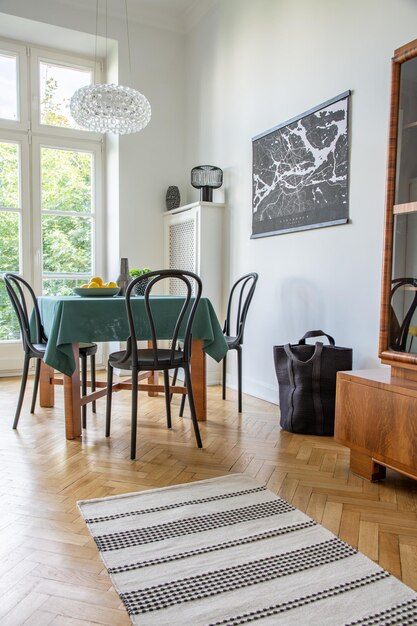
[[16, 287], [184, 321], [237, 308], [399, 330]]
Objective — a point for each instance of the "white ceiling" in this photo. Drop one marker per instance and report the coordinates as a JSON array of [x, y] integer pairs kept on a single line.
[[176, 15], [172, 5], [179, 15]]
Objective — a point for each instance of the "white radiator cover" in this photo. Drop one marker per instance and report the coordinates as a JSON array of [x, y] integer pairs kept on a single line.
[[182, 251], [194, 241]]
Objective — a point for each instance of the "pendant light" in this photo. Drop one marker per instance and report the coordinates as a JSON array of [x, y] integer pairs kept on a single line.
[[109, 108]]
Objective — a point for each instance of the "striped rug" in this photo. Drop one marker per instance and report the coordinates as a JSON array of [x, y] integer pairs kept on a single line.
[[228, 551]]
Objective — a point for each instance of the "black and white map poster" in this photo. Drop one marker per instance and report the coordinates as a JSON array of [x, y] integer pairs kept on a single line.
[[300, 171]]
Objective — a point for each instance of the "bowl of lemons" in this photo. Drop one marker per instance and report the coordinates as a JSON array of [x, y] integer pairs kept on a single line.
[[97, 288]]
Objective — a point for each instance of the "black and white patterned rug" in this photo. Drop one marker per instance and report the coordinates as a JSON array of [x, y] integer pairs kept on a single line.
[[228, 551]]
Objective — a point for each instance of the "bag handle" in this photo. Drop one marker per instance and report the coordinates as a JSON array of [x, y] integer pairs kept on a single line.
[[316, 354], [316, 333]]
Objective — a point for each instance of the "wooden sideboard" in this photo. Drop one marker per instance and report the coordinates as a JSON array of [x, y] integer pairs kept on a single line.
[[376, 417]]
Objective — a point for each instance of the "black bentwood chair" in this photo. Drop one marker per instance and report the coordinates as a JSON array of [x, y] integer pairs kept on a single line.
[[234, 327], [155, 358], [16, 286], [399, 332]]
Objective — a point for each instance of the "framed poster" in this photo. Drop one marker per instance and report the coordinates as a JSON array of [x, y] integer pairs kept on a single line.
[[300, 171]]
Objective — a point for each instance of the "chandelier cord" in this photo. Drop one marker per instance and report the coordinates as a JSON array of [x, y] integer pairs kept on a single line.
[[95, 44], [107, 42], [128, 40], [102, 107]]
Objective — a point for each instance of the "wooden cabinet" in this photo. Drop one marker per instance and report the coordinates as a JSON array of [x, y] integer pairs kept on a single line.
[[376, 417], [376, 410]]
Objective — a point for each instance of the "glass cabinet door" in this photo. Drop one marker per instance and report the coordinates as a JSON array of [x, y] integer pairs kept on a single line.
[[403, 309]]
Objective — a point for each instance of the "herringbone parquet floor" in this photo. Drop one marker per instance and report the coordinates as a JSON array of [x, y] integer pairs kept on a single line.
[[50, 571]]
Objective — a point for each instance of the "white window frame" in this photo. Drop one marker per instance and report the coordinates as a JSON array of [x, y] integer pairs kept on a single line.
[[30, 134], [23, 209], [20, 51], [96, 215], [37, 55], [11, 358]]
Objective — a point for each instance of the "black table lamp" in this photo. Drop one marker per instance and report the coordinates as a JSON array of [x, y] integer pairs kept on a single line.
[[206, 178]]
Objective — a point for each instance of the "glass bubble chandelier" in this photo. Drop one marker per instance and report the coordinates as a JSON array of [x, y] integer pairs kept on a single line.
[[109, 108]]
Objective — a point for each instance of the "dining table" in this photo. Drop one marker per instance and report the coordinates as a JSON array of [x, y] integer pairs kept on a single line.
[[71, 320]]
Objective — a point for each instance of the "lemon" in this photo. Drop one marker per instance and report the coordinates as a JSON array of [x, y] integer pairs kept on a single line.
[[112, 285], [84, 286], [97, 279], [93, 285]]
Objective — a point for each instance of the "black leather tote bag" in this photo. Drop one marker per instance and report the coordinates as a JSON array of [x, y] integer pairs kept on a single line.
[[307, 383]]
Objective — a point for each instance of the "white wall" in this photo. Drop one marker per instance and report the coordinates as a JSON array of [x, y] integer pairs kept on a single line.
[[252, 65], [149, 161], [153, 159]]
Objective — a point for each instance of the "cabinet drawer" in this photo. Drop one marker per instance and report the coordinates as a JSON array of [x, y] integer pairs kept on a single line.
[[378, 421]]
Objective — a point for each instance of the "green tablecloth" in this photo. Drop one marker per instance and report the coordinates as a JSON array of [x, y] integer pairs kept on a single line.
[[72, 319]]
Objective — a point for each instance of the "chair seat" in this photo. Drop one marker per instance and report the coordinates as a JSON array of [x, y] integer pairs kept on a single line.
[[145, 359], [232, 342], [88, 349], [40, 347]]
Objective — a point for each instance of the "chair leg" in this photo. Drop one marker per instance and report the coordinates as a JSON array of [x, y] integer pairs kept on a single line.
[[109, 398], [134, 419], [84, 387], [174, 380], [224, 377], [22, 390], [93, 379], [35, 384], [167, 398], [192, 405], [239, 377], [182, 405]]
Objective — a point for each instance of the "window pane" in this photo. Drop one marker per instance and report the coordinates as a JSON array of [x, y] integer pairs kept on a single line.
[[9, 175], [66, 180], [8, 87], [9, 326], [9, 241], [57, 85], [67, 244], [61, 286]]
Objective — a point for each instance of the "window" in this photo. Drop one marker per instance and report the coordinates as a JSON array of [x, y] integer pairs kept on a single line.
[[10, 226], [67, 212], [57, 83], [50, 177], [8, 87]]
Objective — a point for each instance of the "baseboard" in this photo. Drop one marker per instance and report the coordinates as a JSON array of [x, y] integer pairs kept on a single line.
[[18, 372], [15, 373], [213, 378], [254, 388], [13, 366]]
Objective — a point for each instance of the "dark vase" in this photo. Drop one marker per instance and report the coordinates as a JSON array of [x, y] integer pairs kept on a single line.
[[173, 198], [124, 277]]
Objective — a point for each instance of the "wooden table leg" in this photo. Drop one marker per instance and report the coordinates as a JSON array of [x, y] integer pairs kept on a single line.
[[198, 378], [72, 399], [46, 386]]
